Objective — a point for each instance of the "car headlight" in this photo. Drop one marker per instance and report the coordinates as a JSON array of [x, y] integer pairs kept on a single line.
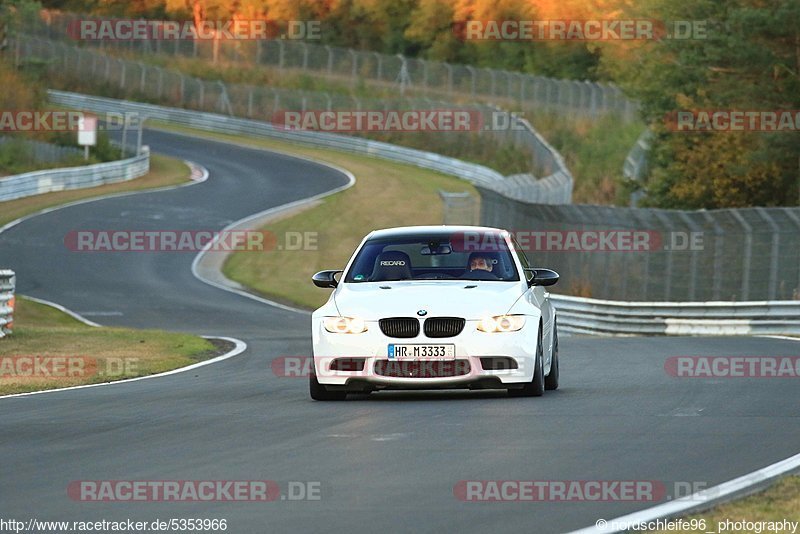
[[344, 325], [501, 323]]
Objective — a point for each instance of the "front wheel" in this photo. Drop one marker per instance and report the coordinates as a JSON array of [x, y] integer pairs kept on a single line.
[[321, 393], [534, 388]]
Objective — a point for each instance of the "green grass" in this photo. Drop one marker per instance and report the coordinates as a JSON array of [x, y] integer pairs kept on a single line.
[[16, 158], [778, 502], [164, 171], [594, 151], [103, 354]]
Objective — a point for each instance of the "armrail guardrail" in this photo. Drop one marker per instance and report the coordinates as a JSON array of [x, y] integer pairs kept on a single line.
[[50, 180], [546, 181], [553, 189], [7, 285], [576, 314], [579, 315]]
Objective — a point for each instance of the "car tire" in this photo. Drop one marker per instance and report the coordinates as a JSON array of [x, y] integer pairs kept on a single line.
[[551, 380], [534, 388], [321, 393]]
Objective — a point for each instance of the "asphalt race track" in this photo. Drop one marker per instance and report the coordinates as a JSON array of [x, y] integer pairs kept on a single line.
[[387, 462]]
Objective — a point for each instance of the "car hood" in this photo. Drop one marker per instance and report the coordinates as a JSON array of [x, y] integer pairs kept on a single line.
[[471, 300]]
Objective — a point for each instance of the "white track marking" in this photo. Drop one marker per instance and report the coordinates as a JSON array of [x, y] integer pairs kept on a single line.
[[240, 347], [351, 180], [200, 174], [788, 338], [701, 500], [59, 307]]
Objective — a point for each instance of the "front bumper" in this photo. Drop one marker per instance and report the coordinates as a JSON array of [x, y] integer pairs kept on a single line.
[[470, 346]]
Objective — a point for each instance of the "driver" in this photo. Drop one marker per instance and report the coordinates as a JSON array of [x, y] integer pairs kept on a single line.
[[480, 263]]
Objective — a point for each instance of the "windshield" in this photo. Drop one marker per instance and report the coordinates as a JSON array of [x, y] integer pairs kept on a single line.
[[482, 256]]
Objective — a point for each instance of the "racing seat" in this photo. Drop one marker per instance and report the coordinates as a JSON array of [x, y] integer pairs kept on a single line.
[[392, 265]]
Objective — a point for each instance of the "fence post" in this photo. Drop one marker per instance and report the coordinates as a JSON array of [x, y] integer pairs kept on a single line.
[[748, 254], [142, 76], [160, 80], [379, 73], [124, 68], [354, 70], [276, 102], [667, 225], [719, 241], [693, 260], [425, 75], [472, 81], [330, 59], [774, 251]]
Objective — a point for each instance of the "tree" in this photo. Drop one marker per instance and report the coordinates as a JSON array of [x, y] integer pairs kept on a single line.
[[750, 60]]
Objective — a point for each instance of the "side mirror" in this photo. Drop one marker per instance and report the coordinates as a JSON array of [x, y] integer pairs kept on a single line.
[[325, 279], [542, 277]]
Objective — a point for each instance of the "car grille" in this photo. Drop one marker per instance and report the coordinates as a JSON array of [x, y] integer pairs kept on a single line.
[[443, 326], [399, 327], [422, 369]]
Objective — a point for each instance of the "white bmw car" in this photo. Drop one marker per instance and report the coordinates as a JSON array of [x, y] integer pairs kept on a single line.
[[432, 307]]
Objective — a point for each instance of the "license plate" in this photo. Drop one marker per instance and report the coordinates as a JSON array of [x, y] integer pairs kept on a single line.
[[422, 352]]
